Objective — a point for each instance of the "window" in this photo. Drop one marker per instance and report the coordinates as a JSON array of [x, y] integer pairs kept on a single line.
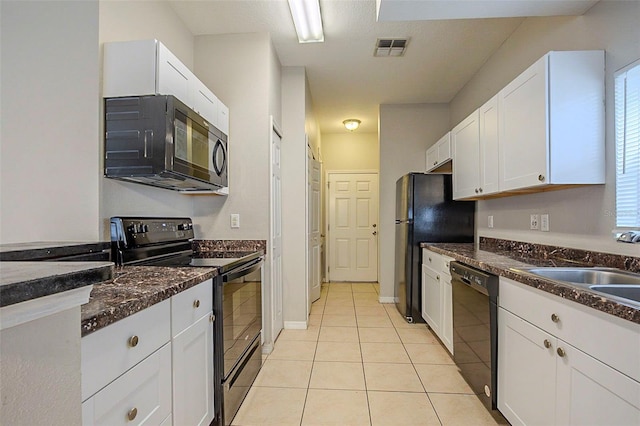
[[627, 130]]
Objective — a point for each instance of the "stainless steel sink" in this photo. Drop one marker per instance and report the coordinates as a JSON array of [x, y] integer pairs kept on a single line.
[[591, 276], [613, 283], [628, 291]]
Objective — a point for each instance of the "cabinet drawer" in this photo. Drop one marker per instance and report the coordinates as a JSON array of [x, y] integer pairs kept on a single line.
[[437, 261], [111, 351], [140, 396], [612, 340], [190, 305]]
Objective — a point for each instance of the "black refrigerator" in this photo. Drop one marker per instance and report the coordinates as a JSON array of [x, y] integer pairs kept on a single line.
[[425, 212]]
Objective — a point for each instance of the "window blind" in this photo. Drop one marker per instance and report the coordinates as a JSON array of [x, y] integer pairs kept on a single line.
[[627, 132]]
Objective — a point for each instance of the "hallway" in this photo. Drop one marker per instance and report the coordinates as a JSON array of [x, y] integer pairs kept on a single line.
[[359, 363]]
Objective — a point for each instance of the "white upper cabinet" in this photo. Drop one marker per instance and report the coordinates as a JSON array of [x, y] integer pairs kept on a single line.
[[551, 123], [439, 153], [465, 141], [489, 158], [147, 67]]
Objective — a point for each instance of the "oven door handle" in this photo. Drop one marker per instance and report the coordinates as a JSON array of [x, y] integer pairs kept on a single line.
[[246, 270]]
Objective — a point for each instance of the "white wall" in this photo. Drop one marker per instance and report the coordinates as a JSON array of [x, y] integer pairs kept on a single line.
[[294, 198], [406, 131], [580, 218], [141, 20], [49, 108]]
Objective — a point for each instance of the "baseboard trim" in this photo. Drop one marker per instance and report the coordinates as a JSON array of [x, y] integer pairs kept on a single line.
[[295, 325], [267, 348], [387, 299]]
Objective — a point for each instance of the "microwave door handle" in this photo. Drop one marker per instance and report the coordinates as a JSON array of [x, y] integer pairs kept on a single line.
[[220, 169]]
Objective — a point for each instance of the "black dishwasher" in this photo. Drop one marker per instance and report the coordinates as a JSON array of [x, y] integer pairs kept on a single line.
[[475, 331]]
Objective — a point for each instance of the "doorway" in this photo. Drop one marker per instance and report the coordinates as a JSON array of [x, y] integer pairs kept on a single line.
[[352, 226]]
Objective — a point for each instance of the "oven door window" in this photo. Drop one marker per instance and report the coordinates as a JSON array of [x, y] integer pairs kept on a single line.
[[242, 316]]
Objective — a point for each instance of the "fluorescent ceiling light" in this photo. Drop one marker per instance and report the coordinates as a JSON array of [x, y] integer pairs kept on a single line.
[[307, 20]]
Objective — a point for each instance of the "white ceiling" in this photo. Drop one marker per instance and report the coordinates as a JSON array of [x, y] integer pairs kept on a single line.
[[345, 79]]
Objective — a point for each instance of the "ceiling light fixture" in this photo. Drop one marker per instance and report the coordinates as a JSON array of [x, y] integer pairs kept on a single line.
[[351, 124], [307, 20]]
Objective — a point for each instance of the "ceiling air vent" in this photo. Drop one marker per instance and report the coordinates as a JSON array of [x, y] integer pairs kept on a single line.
[[390, 47]]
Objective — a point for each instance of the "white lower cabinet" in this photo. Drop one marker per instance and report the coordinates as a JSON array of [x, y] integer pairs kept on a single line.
[[141, 396], [154, 367], [193, 374], [544, 380], [437, 304]]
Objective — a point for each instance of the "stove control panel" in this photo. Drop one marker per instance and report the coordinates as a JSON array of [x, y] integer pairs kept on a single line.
[[127, 232]]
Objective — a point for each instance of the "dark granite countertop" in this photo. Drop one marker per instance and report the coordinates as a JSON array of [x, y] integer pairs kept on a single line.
[[134, 288], [41, 250], [22, 281], [502, 262]]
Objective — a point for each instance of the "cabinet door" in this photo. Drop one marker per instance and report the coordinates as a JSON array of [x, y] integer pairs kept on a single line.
[[141, 396], [489, 176], [447, 313], [223, 118], [523, 137], [431, 299], [465, 142], [432, 157], [173, 76], [590, 392], [205, 102], [193, 374], [526, 372], [444, 148]]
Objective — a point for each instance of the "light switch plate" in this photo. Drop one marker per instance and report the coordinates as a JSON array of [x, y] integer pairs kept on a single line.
[[235, 220], [535, 221], [544, 223]]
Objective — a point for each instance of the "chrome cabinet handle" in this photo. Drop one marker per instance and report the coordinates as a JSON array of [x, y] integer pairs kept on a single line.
[[133, 341], [196, 303], [547, 343], [555, 318], [132, 414], [561, 352]]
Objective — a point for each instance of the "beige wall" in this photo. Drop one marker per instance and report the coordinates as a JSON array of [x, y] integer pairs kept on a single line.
[[578, 217], [244, 85], [294, 197], [141, 20], [350, 151], [49, 137], [406, 131]]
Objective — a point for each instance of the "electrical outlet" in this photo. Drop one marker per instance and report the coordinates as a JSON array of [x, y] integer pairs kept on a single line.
[[235, 220], [490, 222], [535, 221], [544, 223]]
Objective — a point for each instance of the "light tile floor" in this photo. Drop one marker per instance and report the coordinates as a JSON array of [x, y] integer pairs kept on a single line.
[[359, 363]]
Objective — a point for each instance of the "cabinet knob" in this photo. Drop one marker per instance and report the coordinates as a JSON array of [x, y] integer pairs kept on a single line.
[[438, 277], [196, 303], [212, 318], [477, 190], [435, 162], [547, 343], [561, 352], [555, 318], [133, 341], [429, 259], [132, 414], [541, 178]]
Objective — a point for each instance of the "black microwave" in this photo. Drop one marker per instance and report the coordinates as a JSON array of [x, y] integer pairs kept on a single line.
[[159, 141]]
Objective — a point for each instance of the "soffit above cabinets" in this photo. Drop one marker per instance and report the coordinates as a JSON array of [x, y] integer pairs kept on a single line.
[[412, 10]]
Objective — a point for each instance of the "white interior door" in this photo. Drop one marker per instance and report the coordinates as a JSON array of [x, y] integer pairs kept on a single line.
[[352, 227], [275, 251], [313, 198]]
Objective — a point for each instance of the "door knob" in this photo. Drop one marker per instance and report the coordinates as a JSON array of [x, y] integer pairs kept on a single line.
[[374, 225], [374, 233]]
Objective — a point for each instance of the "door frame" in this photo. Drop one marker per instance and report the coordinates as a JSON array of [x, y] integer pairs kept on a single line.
[[270, 313], [327, 203]]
